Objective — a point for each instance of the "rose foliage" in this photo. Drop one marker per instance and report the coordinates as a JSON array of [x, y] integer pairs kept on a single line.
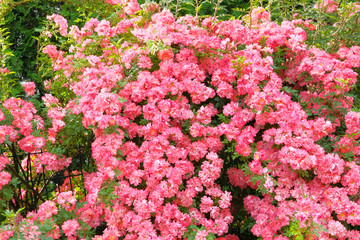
[[164, 98]]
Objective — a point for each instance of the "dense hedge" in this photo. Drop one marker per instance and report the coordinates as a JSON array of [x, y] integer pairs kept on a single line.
[[200, 128]]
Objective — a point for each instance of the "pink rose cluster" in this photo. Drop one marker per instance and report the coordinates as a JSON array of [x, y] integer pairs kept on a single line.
[[159, 139], [29, 88], [61, 22], [328, 5]]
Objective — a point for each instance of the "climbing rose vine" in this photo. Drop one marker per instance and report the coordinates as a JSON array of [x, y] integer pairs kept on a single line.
[[169, 102]]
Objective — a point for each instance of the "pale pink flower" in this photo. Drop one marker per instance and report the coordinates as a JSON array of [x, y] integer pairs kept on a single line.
[[201, 235], [69, 227], [47, 210]]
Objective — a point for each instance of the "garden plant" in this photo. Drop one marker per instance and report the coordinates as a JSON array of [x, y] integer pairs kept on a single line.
[[198, 127]]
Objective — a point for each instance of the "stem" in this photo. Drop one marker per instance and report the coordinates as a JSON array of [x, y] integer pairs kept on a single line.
[[342, 25], [283, 11], [16, 159], [46, 183], [177, 8], [320, 22], [216, 8], [251, 9], [353, 28], [269, 8]]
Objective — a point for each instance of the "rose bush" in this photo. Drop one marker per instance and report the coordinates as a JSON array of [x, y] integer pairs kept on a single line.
[[176, 106]]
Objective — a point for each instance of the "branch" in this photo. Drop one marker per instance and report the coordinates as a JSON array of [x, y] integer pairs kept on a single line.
[[12, 170], [13, 6]]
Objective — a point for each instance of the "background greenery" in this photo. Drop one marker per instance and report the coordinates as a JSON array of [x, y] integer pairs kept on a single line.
[[22, 24]]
